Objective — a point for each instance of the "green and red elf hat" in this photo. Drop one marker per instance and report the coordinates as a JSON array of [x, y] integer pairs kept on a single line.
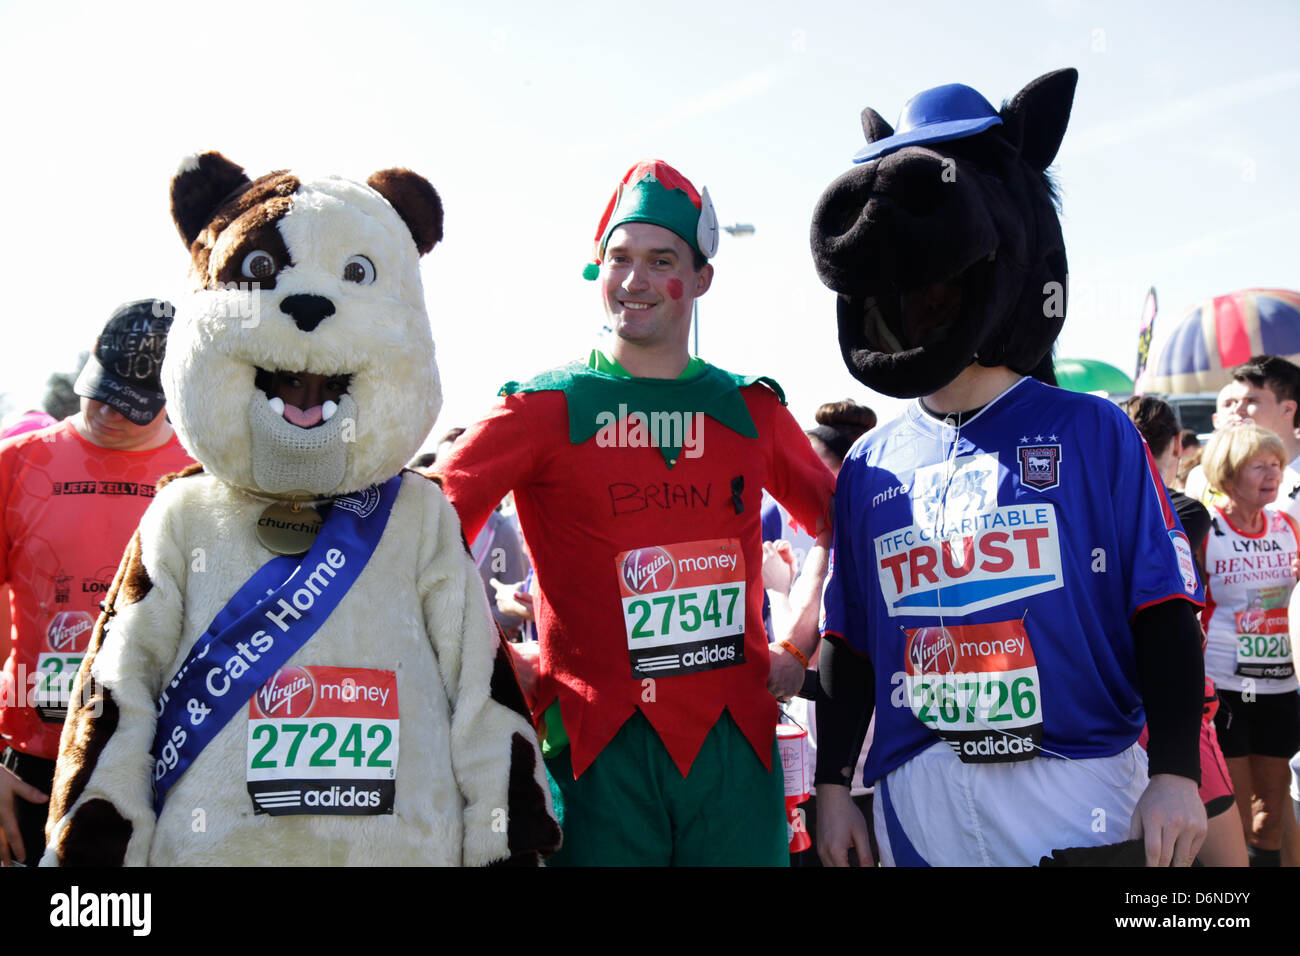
[[654, 192]]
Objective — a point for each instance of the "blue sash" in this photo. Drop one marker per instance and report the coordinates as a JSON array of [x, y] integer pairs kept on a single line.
[[273, 614]]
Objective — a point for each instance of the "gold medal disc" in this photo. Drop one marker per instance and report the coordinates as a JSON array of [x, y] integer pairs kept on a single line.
[[284, 530]]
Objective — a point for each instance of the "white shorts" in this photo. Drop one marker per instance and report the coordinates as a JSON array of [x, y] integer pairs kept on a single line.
[[935, 810]]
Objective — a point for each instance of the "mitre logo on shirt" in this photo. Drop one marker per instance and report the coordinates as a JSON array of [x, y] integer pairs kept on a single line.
[[963, 552]]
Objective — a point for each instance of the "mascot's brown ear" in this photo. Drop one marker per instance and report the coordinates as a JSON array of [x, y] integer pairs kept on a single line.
[[202, 184], [874, 125], [415, 201], [1037, 116]]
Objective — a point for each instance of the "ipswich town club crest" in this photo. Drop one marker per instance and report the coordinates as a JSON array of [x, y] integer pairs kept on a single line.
[[1040, 466]]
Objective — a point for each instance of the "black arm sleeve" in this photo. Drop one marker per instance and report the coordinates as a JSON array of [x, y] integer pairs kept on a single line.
[[844, 711], [1171, 677]]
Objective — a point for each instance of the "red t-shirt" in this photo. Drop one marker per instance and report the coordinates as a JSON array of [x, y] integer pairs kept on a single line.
[[583, 506], [67, 510]]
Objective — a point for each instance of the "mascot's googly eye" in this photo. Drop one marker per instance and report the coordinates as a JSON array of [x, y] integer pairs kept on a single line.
[[360, 270], [258, 264]]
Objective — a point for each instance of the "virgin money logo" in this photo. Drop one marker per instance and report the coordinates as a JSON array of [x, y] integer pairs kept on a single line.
[[931, 651], [289, 693], [1256, 621], [69, 631], [648, 569], [1252, 622]]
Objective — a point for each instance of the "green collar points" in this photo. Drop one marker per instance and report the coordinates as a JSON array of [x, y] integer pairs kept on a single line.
[[599, 401]]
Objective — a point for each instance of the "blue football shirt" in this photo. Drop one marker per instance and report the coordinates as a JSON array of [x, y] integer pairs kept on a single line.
[[991, 573]]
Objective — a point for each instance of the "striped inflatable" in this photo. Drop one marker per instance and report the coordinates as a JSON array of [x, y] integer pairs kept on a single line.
[[1220, 333]]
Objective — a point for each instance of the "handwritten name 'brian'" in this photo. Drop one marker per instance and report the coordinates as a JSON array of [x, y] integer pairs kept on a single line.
[[628, 498]]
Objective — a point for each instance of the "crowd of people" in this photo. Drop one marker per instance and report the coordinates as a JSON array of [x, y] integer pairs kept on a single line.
[[1011, 641], [1242, 522]]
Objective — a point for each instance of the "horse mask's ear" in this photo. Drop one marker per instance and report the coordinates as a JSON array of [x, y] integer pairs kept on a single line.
[[1036, 117], [874, 126]]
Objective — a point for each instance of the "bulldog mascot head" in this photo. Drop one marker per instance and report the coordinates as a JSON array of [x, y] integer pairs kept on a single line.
[[943, 241], [302, 277], [349, 700]]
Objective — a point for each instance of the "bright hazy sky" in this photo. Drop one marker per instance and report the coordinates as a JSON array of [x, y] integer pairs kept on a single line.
[[1174, 169]]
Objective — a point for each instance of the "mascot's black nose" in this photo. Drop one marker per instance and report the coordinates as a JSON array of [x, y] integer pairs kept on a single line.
[[308, 311]]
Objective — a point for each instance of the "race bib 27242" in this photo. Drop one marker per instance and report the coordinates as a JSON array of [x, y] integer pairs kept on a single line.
[[324, 740]]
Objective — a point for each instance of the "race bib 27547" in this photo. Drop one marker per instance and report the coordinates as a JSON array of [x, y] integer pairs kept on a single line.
[[683, 606]]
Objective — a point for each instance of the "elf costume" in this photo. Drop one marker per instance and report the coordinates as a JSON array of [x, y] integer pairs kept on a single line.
[[639, 500]]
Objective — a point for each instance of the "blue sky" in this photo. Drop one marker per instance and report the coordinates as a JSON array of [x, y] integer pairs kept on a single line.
[[1176, 170]]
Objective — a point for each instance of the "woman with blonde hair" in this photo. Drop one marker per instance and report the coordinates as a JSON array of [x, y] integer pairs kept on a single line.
[[1248, 560], [1225, 843]]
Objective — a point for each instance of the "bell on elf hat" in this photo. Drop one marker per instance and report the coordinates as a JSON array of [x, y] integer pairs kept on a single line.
[[654, 192]]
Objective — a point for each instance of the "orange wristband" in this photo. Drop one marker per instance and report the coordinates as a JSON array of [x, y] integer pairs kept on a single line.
[[795, 652]]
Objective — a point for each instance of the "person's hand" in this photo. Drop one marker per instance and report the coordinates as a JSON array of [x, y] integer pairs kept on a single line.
[[527, 658], [1169, 819], [11, 841], [513, 600], [778, 566], [840, 825], [785, 679]]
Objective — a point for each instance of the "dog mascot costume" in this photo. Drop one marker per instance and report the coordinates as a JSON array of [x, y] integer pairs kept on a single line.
[[295, 664], [1011, 572]]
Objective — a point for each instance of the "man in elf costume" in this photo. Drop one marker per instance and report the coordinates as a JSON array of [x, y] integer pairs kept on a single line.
[[638, 477]]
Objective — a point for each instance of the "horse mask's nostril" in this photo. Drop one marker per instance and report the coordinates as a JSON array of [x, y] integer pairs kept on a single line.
[[917, 184]]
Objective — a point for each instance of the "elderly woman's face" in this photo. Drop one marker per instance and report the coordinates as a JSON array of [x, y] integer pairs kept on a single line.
[[1257, 481]]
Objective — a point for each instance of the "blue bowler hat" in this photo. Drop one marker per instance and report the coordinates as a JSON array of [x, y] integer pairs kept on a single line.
[[932, 116]]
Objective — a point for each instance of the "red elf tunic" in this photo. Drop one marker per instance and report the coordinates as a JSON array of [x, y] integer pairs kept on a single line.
[[639, 500]]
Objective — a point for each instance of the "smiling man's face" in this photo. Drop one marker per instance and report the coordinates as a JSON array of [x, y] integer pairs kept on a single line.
[[1245, 401], [648, 284]]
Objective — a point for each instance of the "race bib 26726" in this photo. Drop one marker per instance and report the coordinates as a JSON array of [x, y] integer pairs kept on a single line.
[[977, 687]]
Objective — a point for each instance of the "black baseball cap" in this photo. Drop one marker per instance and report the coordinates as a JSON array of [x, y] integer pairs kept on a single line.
[[123, 370]]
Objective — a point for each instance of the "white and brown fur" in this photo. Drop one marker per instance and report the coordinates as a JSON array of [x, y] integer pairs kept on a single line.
[[467, 749]]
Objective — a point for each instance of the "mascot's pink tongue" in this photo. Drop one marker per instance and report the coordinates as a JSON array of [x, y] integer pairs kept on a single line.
[[303, 418]]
